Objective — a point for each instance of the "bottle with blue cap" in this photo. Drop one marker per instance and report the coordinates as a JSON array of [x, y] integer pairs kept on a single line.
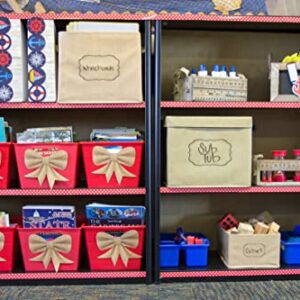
[[193, 72], [232, 72], [223, 71], [202, 71], [215, 72]]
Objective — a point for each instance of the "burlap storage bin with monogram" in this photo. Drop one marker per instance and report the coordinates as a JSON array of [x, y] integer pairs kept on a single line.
[[244, 251], [99, 67], [209, 151]]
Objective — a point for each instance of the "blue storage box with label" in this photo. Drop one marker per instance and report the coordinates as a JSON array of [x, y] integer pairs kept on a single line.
[[290, 246], [194, 255]]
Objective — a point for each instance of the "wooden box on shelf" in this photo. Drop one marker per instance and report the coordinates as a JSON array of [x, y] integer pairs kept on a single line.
[[272, 165], [249, 251], [208, 88], [281, 88]]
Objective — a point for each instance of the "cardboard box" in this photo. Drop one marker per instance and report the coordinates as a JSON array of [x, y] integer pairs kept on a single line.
[[244, 251], [209, 151], [194, 88], [100, 67]]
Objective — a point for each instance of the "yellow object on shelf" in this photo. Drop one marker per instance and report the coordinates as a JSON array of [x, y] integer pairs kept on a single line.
[[294, 58], [225, 6]]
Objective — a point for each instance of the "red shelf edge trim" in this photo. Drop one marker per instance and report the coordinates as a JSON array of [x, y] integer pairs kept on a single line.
[[151, 15], [254, 189], [28, 105], [218, 104], [72, 192], [72, 275], [230, 273]]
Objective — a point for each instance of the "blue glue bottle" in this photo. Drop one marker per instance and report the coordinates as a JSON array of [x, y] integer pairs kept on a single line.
[[202, 71], [223, 72], [215, 72], [193, 72], [232, 72]]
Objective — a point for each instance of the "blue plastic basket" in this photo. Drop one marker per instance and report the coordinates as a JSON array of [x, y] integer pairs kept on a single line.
[[195, 255], [169, 251], [290, 248]]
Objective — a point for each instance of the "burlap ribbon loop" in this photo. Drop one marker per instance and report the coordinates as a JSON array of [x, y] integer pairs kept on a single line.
[[114, 162], [45, 166], [118, 246], [2, 242], [50, 250]]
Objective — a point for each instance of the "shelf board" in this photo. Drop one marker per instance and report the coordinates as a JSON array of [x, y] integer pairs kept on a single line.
[[215, 104], [229, 273], [216, 268], [253, 189], [72, 275], [72, 192], [152, 15], [28, 105]]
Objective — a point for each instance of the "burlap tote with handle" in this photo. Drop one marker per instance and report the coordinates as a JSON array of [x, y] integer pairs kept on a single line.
[[99, 67]]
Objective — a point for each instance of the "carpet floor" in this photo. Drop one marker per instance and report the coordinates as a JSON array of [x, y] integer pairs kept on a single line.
[[258, 290]]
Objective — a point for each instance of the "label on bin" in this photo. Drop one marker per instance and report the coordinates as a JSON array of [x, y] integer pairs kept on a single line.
[[254, 250], [99, 67], [210, 152]]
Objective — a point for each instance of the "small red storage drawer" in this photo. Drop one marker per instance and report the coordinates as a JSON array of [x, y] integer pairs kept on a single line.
[[5, 157], [7, 248], [47, 165], [50, 249], [112, 164], [113, 248]]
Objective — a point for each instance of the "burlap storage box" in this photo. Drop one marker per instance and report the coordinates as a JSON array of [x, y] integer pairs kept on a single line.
[[244, 251], [99, 67], [209, 151]]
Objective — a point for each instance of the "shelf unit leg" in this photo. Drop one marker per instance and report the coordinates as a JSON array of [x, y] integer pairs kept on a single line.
[[148, 151], [157, 151]]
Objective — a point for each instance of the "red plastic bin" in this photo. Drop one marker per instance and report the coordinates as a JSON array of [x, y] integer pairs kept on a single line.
[[101, 168], [7, 248], [60, 245], [114, 248], [5, 156], [58, 171]]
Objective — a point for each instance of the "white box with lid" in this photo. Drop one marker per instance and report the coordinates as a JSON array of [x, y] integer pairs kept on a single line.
[[209, 151]]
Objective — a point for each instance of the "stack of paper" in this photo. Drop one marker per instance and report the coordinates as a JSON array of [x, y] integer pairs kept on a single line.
[[115, 134]]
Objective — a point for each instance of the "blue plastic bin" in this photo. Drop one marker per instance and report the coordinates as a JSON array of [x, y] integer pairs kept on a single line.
[[194, 255], [290, 248], [169, 251]]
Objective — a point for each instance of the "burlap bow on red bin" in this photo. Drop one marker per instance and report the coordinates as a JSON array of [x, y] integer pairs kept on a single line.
[[114, 163], [51, 250], [117, 246], [45, 166]]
